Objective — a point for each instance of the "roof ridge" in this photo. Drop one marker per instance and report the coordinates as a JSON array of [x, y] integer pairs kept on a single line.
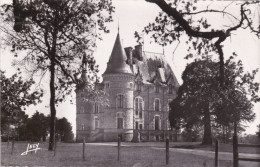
[[155, 53]]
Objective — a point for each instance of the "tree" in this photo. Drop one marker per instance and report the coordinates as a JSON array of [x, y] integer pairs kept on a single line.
[[56, 35], [22, 126], [64, 130], [37, 127], [258, 131], [201, 99], [16, 95], [175, 115], [181, 17]]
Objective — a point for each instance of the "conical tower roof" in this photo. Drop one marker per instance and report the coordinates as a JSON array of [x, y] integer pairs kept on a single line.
[[117, 62]]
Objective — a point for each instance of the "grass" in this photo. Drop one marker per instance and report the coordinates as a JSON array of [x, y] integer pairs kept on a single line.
[[222, 148], [137, 155]]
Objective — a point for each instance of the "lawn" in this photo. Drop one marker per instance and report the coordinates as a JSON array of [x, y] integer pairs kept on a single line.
[[222, 147], [104, 154]]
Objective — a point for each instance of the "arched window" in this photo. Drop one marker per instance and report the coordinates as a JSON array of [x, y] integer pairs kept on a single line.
[[120, 101], [156, 104], [139, 107], [136, 125], [96, 108]]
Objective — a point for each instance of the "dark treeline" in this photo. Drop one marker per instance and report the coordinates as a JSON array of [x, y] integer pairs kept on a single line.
[[36, 128]]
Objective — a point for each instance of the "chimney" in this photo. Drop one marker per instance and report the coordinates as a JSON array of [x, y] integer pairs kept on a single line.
[[129, 54], [139, 52]]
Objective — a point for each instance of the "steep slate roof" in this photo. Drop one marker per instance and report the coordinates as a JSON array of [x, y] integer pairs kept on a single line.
[[152, 66], [117, 62]]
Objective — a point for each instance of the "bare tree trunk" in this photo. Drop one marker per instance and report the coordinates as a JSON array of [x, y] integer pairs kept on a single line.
[[223, 134], [52, 104], [176, 135]]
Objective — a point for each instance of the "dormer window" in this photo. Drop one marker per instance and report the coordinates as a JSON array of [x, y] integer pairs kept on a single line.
[[157, 88], [139, 86]]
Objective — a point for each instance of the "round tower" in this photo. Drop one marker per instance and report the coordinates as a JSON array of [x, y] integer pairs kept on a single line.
[[118, 82]]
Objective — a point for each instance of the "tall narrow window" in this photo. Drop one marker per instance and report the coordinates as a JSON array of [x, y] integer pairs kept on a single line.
[[136, 125], [140, 114], [96, 123], [156, 122], [141, 126], [119, 123], [96, 108], [139, 107], [120, 101], [157, 104], [136, 106]]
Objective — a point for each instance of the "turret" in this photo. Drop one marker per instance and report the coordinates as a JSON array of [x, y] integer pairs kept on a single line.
[[119, 85], [84, 75]]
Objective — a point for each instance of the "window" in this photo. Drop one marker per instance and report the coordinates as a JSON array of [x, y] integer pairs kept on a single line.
[[157, 87], [156, 122], [141, 126], [107, 85], [136, 125], [136, 106], [119, 123], [139, 86], [96, 108], [170, 88], [82, 126], [156, 104], [141, 114], [120, 101], [139, 107], [96, 123]]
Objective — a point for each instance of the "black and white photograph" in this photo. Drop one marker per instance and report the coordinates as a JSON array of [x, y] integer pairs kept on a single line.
[[130, 83]]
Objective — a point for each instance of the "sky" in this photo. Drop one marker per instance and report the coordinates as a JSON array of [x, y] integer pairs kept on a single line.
[[131, 16]]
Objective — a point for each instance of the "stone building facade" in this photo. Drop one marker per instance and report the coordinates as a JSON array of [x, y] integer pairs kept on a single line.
[[139, 86]]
